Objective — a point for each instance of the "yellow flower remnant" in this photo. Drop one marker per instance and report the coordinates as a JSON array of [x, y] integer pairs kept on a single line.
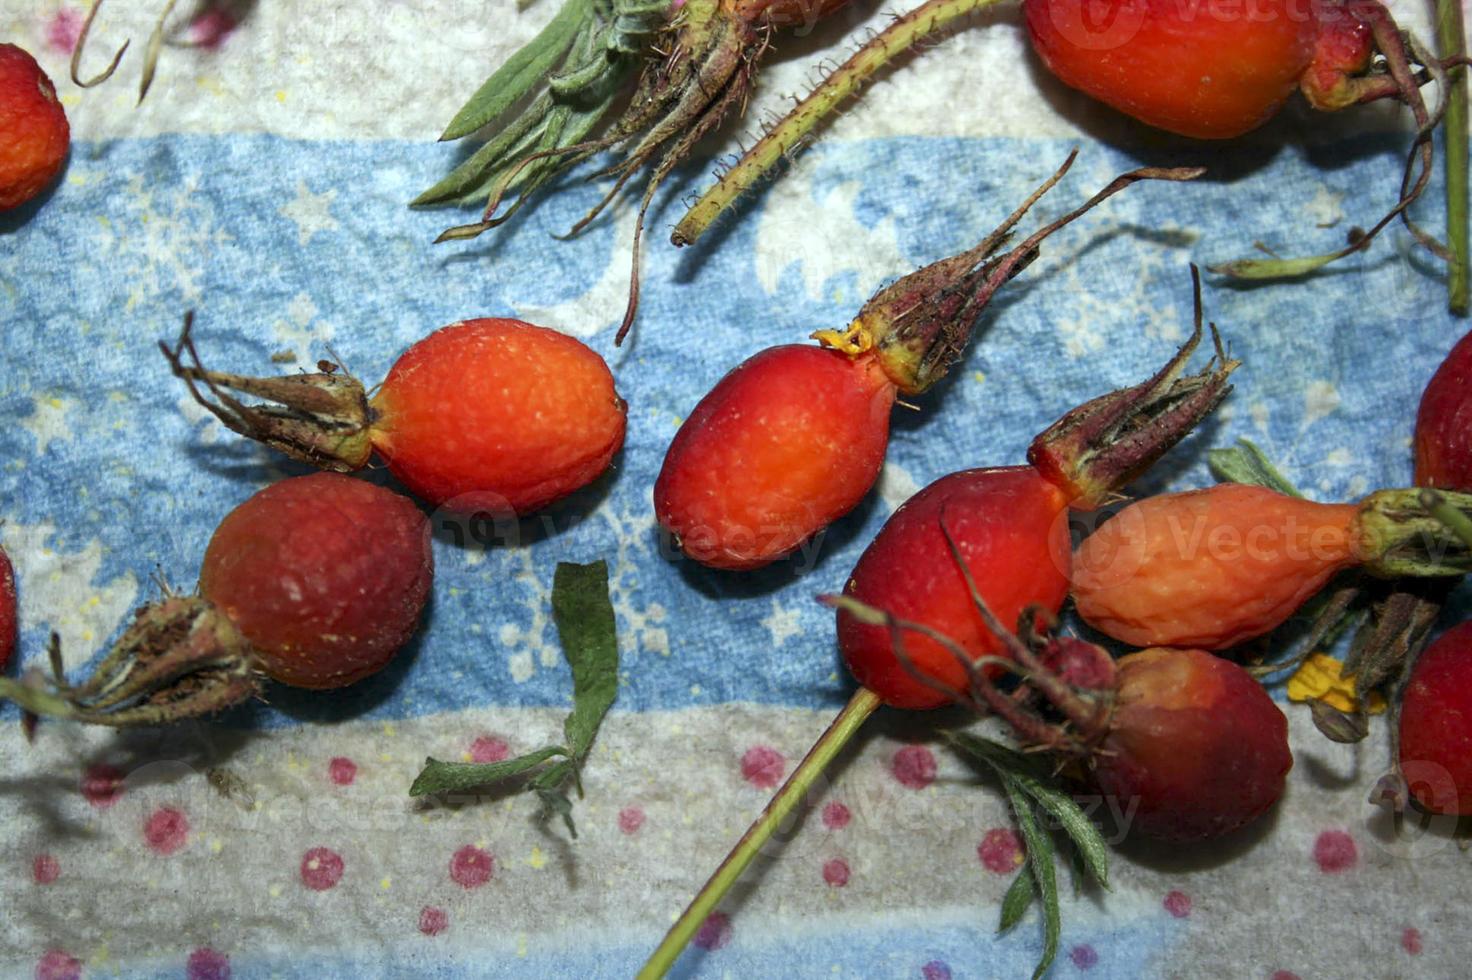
[[1320, 677]]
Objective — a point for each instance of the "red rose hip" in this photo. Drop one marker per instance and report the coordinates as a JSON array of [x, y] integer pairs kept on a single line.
[[34, 134], [7, 609], [492, 415], [1444, 423], [1436, 724]]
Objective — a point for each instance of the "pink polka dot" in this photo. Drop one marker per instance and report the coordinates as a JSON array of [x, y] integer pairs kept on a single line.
[[207, 964], [763, 766], [321, 869], [1335, 852], [936, 970], [1410, 940], [212, 28], [714, 932], [1084, 956], [1000, 851], [102, 785], [1177, 904], [836, 873], [630, 819], [471, 867], [488, 748], [342, 770], [57, 965], [433, 920], [913, 766], [836, 816], [1286, 975], [45, 869], [63, 30], [166, 830]]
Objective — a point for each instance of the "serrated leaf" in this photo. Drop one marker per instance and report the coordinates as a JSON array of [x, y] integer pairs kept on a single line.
[[1018, 898], [1246, 463], [1045, 873], [589, 633], [1011, 764], [528, 67], [459, 777]]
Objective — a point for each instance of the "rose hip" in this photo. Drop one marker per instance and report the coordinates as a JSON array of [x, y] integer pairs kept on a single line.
[[491, 415], [794, 438], [754, 471], [1009, 526], [1436, 724], [1216, 567], [315, 581], [1196, 748], [34, 134], [324, 575], [1444, 423]]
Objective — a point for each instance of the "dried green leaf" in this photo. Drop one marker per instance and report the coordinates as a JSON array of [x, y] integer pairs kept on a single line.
[[525, 69], [460, 777], [1025, 772], [1246, 463], [1018, 898], [589, 633], [1045, 873], [1274, 268]]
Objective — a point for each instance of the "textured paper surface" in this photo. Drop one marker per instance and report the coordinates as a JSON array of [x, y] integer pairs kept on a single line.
[[263, 184]]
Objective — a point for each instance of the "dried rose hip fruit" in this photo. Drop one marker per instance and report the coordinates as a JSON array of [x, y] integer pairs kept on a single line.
[[489, 415], [315, 581]]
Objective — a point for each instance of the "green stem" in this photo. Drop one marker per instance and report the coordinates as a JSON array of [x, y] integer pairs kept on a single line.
[[828, 745], [781, 139], [1456, 522], [1452, 41]]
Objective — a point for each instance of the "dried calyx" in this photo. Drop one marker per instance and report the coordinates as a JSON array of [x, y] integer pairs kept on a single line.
[[1400, 536], [918, 327], [321, 418], [1099, 447], [700, 68], [1065, 696], [181, 658]]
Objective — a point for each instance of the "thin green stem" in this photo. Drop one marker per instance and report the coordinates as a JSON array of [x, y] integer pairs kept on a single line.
[[828, 745], [1452, 41], [792, 129]]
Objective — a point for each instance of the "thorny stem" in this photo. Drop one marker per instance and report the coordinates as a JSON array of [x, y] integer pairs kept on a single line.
[[828, 745], [784, 137], [1452, 41]]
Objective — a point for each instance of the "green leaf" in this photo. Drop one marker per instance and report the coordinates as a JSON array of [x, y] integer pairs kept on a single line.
[[1011, 764], [1018, 898], [455, 777], [526, 68], [1045, 873], [1274, 268], [585, 623], [589, 634], [1246, 463]]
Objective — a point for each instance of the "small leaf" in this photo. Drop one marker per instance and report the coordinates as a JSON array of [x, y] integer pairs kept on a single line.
[[458, 777], [1336, 725], [1011, 764], [1018, 898], [1045, 873], [526, 68], [1274, 268], [589, 634], [1246, 463]]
